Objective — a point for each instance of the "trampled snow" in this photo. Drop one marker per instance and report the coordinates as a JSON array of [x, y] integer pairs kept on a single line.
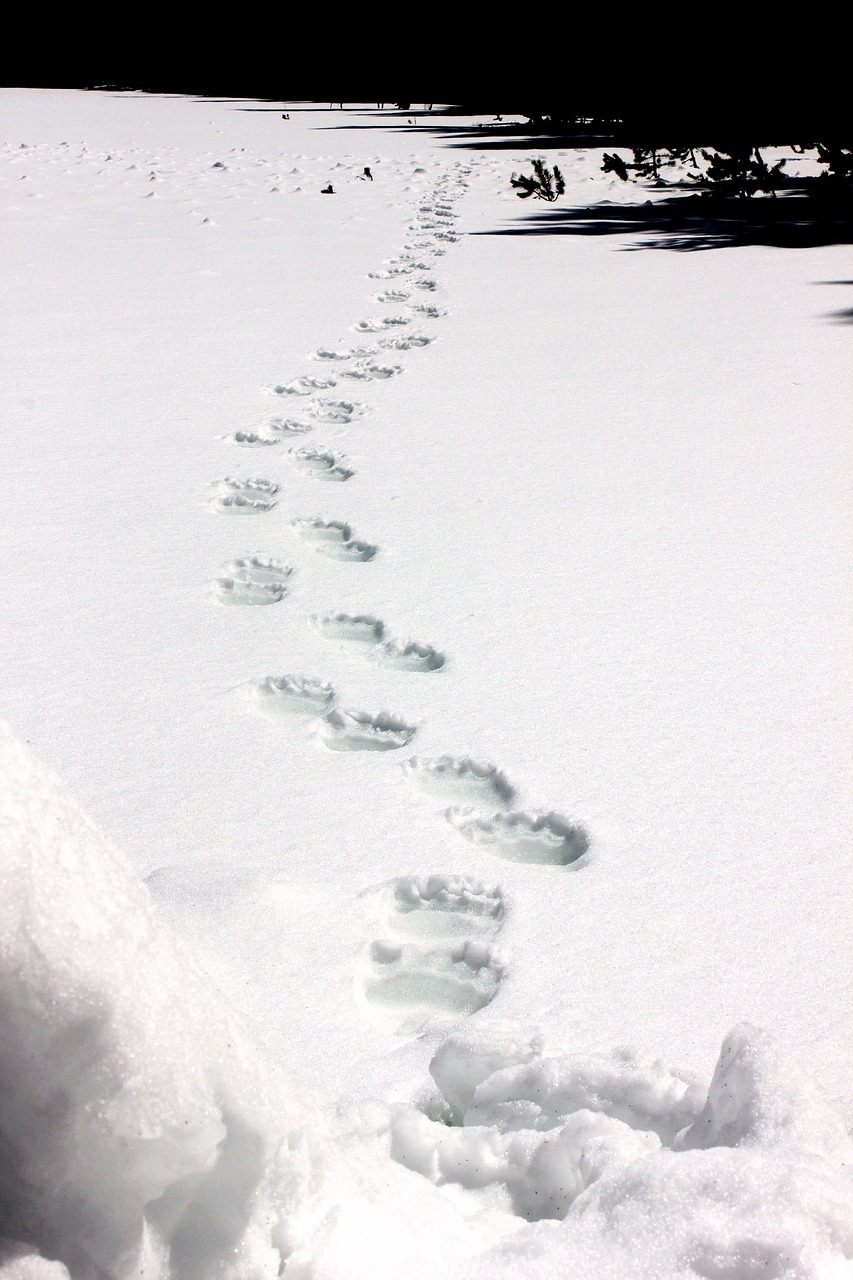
[[447, 873]]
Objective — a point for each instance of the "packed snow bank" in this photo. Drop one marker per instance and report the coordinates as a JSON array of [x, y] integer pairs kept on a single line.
[[137, 1121], [142, 1135]]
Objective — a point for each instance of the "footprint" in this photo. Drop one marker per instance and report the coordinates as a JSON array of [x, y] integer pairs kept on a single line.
[[333, 538], [347, 730], [405, 342], [313, 529], [372, 372], [460, 778], [369, 326], [392, 295], [406, 655], [322, 464], [290, 426], [253, 581], [352, 549], [250, 439], [427, 309], [336, 411], [388, 273], [324, 353], [303, 386], [349, 628], [435, 958], [247, 488], [448, 907], [292, 695], [406, 986], [521, 836], [244, 497], [428, 286], [382, 322], [237, 504]]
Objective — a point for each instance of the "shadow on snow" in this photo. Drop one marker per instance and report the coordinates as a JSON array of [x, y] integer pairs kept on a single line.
[[692, 222]]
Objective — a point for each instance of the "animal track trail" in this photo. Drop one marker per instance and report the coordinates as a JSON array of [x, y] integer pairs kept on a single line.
[[433, 961]]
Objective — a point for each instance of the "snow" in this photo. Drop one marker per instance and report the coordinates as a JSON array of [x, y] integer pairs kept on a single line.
[[447, 872]]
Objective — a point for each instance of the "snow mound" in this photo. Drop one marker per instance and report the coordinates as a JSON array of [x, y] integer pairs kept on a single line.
[[141, 1130]]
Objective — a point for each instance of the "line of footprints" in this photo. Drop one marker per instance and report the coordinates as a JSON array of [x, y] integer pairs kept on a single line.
[[433, 955]]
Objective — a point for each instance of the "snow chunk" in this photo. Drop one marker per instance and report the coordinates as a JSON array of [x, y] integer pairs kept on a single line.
[[475, 1052], [757, 1100]]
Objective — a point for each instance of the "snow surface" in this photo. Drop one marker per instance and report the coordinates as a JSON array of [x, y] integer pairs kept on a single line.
[[536, 750]]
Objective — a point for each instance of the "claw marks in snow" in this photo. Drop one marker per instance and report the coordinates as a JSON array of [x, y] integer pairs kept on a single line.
[[434, 958]]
